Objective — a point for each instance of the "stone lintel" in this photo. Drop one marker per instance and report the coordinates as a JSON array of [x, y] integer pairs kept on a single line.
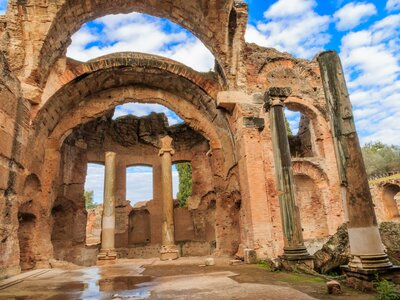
[[228, 99], [254, 122]]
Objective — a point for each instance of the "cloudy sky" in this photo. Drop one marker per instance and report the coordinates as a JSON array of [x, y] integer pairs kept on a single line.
[[365, 33]]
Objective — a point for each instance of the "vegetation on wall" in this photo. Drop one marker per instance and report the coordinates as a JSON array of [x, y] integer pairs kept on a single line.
[[185, 182], [380, 158], [89, 202]]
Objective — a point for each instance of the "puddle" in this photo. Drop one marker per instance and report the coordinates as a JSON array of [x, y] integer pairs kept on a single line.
[[121, 283], [95, 286]]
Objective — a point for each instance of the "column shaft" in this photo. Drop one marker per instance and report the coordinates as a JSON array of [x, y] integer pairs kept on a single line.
[[168, 249], [108, 218], [167, 201], [294, 248], [365, 242]]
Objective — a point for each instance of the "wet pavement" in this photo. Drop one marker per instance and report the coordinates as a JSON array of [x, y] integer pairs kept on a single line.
[[181, 279]]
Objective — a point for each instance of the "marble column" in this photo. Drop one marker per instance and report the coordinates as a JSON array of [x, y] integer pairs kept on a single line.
[[168, 249], [366, 249], [294, 248], [107, 251]]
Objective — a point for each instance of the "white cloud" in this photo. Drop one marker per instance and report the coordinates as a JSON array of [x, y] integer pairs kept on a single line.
[[353, 14], [296, 29], [139, 183], [393, 5], [141, 109], [372, 65], [285, 8], [139, 33]]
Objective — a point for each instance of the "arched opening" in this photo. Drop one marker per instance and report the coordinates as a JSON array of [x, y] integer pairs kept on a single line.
[[26, 236], [94, 189], [391, 201], [147, 34], [139, 184], [81, 114], [301, 134], [183, 190], [187, 15], [314, 220]]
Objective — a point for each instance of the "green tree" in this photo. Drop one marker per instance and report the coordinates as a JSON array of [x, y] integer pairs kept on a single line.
[[380, 158], [288, 129], [185, 182], [89, 202]]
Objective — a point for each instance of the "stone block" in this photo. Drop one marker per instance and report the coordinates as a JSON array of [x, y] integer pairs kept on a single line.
[[334, 287], [250, 256], [210, 262]]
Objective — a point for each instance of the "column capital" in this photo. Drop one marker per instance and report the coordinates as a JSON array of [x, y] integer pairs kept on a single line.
[[275, 96], [166, 145], [110, 153]]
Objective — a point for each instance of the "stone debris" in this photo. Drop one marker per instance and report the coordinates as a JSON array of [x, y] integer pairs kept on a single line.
[[234, 262], [334, 287], [210, 262]]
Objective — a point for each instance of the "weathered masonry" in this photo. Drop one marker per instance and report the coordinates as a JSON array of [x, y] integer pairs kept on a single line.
[[253, 188]]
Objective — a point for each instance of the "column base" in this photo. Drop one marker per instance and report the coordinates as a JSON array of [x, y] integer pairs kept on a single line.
[[107, 254], [365, 279], [299, 253], [169, 252], [293, 258], [370, 262]]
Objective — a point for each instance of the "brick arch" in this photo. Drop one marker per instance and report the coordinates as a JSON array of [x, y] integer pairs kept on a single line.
[[99, 103], [305, 77], [320, 124], [207, 20], [205, 81], [311, 170], [284, 63]]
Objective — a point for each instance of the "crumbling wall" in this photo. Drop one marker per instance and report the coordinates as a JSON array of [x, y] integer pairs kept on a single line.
[[312, 210], [14, 126], [68, 212], [386, 198]]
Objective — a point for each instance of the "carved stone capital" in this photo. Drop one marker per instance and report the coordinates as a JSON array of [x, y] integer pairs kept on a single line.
[[166, 145], [276, 96]]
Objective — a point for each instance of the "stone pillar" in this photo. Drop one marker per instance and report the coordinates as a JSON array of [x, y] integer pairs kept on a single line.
[[168, 249], [366, 249], [294, 249], [107, 251]]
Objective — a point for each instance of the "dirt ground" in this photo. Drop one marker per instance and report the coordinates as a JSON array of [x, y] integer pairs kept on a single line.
[[186, 278]]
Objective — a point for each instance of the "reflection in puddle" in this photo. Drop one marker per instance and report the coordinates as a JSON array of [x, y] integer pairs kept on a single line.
[[93, 286], [121, 283]]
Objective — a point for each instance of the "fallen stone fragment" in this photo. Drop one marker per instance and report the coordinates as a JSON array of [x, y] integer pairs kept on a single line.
[[234, 262], [334, 287], [210, 262]]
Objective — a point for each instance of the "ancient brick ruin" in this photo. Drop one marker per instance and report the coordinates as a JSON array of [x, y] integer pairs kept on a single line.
[[253, 188]]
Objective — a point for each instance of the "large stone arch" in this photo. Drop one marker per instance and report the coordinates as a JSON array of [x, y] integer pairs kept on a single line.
[[138, 77], [73, 71], [215, 23], [97, 87]]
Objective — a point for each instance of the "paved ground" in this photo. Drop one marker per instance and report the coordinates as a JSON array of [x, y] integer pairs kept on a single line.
[[181, 279]]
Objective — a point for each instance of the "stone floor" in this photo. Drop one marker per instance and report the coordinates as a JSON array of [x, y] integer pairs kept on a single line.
[[185, 278]]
